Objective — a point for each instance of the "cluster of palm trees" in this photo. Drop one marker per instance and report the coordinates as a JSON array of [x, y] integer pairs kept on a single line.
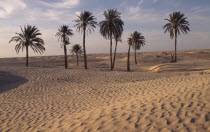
[[77, 49], [136, 40], [111, 28]]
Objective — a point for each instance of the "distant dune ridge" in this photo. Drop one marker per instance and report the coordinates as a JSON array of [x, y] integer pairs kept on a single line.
[[156, 96]]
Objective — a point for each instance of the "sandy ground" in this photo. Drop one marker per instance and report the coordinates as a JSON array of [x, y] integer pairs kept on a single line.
[[155, 96]]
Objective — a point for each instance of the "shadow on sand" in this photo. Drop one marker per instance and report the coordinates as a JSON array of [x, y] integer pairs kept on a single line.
[[10, 81]]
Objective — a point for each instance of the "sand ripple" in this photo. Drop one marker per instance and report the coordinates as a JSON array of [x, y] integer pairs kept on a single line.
[[55, 99]]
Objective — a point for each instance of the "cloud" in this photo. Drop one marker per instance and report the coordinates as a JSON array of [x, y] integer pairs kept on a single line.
[[63, 4], [140, 2], [197, 18], [7, 7], [39, 16], [77, 13], [137, 14], [57, 15], [155, 1], [140, 15]]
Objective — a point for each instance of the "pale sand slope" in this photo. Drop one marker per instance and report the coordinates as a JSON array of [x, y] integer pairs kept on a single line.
[[54, 99]]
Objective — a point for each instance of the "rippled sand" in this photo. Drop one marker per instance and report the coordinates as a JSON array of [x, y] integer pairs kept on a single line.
[[46, 97]]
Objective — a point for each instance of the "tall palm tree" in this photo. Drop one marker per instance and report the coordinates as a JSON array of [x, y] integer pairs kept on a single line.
[[63, 34], [29, 37], [177, 24], [85, 22], [138, 42], [77, 49], [111, 26], [130, 43], [117, 39]]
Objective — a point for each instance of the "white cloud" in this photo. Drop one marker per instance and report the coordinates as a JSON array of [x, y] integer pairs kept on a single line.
[[63, 4], [139, 15], [155, 1], [135, 15], [7, 7], [197, 18], [77, 13], [46, 16], [59, 15], [53, 15], [199, 10], [140, 2]]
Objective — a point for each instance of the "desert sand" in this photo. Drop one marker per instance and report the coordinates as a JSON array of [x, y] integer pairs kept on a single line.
[[155, 96]]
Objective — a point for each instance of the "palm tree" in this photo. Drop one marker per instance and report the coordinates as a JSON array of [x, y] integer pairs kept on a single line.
[[85, 22], [117, 39], [111, 26], [77, 49], [130, 43], [176, 25], [29, 37], [63, 34], [139, 41]]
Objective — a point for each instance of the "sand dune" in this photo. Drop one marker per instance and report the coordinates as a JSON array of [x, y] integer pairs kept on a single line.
[[52, 99], [124, 59], [142, 111], [175, 67], [105, 57]]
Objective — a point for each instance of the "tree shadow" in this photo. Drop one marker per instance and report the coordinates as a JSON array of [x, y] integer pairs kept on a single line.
[[10, 81]]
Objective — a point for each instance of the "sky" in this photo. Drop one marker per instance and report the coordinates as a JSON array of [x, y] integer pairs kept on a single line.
[[145, 16]]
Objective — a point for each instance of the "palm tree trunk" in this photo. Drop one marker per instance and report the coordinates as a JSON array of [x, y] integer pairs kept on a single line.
[[65, 52], [85, 57], [26, 56], [175, 46], [77, 60], [128, 60], [111, 50], [135, 57], [114, 55]]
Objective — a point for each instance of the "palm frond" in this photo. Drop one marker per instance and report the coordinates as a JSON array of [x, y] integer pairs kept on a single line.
[[112, 25], [177, 22], [63, 34], [138, 40], [84, 21], [29, 37], [76, 49]]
